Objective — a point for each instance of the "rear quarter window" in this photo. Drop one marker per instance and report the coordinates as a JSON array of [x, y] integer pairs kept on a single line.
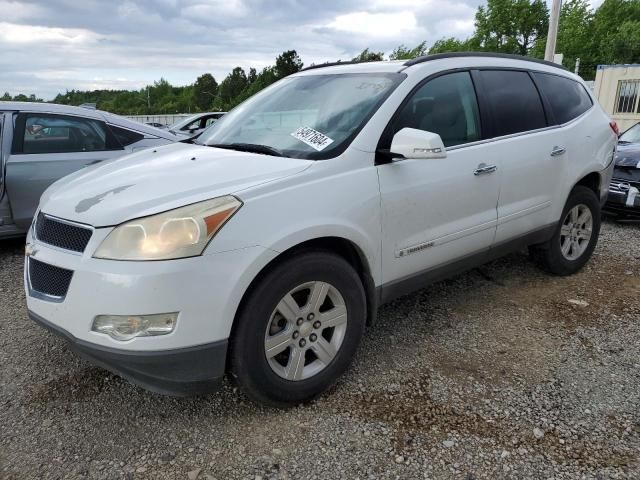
[[567, 98], [126, 137]]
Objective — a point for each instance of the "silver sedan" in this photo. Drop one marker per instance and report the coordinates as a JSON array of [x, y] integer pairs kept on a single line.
[[43, 142]]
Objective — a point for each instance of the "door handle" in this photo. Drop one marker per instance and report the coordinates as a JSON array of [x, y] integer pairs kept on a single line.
[[483, 168], [557, 151]]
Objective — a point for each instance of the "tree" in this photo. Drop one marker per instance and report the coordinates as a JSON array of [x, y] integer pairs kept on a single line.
[[205, 90], [287, 63], [511, 26], [404, 53], [231, 87], [252, 76], [623, 46], [614, 20], [575, 34], [262, 80], [6, 97], [368, 56], [445, 45]]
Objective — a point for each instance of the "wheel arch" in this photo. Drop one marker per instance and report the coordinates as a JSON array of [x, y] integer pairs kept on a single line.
[[343, 247], [593, 181]]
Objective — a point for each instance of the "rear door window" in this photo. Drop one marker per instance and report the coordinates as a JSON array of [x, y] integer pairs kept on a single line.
[[567, 98], [514, 101], [49, 133]]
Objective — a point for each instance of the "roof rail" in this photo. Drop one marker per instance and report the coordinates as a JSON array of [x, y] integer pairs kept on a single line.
[[331, 64], [439, 56]]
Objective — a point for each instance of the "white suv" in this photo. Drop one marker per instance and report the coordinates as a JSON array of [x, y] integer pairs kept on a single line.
[[264, 247]]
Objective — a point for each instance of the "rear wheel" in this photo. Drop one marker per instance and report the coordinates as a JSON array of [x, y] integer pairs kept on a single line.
[[299, 329], [575, 237]]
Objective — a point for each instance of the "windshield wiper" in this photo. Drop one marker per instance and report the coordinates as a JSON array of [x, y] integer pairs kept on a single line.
[[249, 147]]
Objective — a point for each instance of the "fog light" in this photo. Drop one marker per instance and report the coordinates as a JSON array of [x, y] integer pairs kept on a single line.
[[126, 327]]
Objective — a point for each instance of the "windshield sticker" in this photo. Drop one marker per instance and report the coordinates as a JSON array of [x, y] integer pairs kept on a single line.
[[313, 138]]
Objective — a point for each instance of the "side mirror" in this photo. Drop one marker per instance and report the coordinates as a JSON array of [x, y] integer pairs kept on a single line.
[[414, 143]]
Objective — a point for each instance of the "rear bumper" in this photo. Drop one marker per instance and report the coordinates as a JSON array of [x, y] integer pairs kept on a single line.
[[178, 372]]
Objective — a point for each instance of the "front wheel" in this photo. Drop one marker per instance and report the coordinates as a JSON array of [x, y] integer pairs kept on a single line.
[[575, 237], [299, 329]]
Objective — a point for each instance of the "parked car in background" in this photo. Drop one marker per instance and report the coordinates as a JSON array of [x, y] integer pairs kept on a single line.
[[156, 125], [195, 124], [624, 192], [42, 142], [265, 246]]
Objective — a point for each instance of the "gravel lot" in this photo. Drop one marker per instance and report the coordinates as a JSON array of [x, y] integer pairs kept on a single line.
[[503, 372]]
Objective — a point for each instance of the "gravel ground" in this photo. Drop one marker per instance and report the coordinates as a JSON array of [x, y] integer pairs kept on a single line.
[[503, 372]]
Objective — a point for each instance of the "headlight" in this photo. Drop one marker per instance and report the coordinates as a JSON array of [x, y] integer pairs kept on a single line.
[[183, 232]]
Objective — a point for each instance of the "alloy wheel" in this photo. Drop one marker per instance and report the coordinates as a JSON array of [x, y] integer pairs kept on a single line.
[[576, 231], [305, 331]]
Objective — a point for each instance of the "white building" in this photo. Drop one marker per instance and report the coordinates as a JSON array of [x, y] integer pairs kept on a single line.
[[617, 88]]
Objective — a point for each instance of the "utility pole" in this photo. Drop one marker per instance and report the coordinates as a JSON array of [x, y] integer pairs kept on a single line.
[[550, 50], [577, 69]]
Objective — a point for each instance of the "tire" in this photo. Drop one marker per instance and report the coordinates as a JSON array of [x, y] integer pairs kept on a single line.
[[550, 255], [266, 319]]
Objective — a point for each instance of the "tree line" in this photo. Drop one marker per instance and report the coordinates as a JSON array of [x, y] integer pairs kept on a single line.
[[609, 34]]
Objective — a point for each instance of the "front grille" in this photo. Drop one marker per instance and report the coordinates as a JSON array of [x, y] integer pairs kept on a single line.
[[622, 186], [62, 234], [49, 280]]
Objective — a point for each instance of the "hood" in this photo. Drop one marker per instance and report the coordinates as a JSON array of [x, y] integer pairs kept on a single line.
[[628, 156], [160, 179]]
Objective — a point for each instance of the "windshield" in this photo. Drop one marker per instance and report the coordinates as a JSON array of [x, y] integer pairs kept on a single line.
[[312, 117], [632, 135]]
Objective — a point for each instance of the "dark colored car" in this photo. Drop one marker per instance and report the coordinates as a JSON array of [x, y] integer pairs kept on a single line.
[[624, 191]]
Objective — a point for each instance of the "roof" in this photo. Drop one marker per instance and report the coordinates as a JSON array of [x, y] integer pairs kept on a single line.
[[400, 65], [386, 66], [439, 56], [85, 112], [50, 108]]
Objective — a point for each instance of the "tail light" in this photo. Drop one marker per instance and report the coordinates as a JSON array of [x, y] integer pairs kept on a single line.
[[614, 127]]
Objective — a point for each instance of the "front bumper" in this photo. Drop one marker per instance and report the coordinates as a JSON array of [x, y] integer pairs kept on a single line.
[[623, 199], [205, 291], [178, 372]]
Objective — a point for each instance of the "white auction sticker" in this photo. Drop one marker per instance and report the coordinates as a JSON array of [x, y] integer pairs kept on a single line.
[[313, 138]]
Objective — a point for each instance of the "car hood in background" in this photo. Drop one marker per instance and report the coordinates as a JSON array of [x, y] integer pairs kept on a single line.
[[160, 179], [628, 156]]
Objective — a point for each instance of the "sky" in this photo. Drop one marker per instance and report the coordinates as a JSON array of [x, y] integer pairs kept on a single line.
[[49, 46]]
